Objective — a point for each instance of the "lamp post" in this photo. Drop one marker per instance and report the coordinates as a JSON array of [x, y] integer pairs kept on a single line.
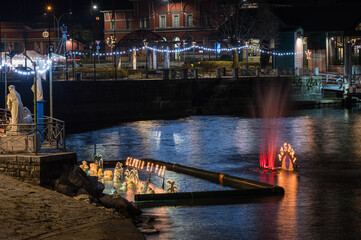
[[194, 57], [56, 22], [95, 46], [50, 50], [146, 59], [247, 54], [64, 30]]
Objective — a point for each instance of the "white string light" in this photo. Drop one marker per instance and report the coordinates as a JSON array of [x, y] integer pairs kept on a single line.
[[204, 49], [48, 62]]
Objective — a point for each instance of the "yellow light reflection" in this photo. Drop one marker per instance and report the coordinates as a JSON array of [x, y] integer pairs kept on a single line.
[[287, 213]]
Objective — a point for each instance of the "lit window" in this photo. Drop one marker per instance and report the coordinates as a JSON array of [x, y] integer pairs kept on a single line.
[[113, 25], [189, 20], [175, 21], [144, 23], [162, 21]]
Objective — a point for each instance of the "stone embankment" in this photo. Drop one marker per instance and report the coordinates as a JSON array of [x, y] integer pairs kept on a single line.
[[33, 212]]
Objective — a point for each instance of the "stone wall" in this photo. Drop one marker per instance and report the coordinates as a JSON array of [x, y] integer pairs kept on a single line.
[[306, 88], [38, 169], [111, 102]]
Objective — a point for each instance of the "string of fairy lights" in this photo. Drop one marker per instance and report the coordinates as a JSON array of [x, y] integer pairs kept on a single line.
[[162, 50], [48, 62]]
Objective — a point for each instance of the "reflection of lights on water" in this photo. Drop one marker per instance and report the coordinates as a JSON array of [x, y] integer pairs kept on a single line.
[[355, 139], [287, 213], [244, 129], [179, 141]]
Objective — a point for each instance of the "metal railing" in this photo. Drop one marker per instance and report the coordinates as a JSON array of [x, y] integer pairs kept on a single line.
[[332, 78], [333, 82], [51, 131]]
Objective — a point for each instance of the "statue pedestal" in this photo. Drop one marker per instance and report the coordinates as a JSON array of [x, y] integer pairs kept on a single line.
[[18, 142]]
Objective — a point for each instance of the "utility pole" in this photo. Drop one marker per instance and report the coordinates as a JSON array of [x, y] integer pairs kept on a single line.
[[1, 61], [25, 31], [5, 76], [113, 44]]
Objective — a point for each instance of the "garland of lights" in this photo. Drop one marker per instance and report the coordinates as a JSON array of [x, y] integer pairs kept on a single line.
[[47, 65], [201, 48], [28, 73]]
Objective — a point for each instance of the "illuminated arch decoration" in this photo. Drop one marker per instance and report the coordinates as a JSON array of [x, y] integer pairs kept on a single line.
[[287, 157]]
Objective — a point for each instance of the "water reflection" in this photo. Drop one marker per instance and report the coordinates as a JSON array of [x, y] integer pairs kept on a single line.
[[321, 201], [287, 212]]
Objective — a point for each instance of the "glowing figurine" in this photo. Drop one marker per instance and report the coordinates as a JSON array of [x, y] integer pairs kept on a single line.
[[123, 187], [100, 172], [173, 188], [113, 191], [84, 166], [118, 172], [108, 175], [93, 168], [151, 191], [145, 187], [287, 158]]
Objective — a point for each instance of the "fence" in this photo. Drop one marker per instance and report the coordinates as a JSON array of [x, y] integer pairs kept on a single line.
[[50, 131], [172, 73]]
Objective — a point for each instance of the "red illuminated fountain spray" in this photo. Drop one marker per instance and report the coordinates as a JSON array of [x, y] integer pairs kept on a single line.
[[271, 105]]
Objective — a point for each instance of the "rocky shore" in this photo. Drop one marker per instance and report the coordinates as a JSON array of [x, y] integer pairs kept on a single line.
[[32, 212]]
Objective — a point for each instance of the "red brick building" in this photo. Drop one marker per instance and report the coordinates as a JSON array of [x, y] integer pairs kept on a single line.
[[17, 35], [176, 21]]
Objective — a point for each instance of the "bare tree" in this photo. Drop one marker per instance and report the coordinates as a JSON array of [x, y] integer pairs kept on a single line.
[[266, 30], [239, 20]]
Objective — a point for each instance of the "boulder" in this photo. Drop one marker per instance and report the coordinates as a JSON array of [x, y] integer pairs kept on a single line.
[[122, 205], [65, 189], [78, 182], [85, 198]]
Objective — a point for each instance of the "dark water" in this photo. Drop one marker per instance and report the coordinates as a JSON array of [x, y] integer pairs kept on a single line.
[[322, 200]]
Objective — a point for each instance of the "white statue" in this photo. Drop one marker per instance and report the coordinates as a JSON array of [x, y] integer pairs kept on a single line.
[[15, 106], [27, 119], [39, 89]]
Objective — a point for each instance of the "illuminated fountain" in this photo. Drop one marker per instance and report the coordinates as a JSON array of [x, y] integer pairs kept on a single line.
[[271, 100]]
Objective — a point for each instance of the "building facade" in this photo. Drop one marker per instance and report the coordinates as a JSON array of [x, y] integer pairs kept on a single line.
[[176, 21], [20, 37]]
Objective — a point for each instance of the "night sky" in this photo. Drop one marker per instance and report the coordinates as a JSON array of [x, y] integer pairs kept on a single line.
[[32, 10]]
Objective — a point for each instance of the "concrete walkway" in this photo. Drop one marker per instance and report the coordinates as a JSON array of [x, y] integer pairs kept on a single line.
[[32, 212]]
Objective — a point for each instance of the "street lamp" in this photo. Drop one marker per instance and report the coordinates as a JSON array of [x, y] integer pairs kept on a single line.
[[247, 54], [146, 59], [57, 22], [194, 57]]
